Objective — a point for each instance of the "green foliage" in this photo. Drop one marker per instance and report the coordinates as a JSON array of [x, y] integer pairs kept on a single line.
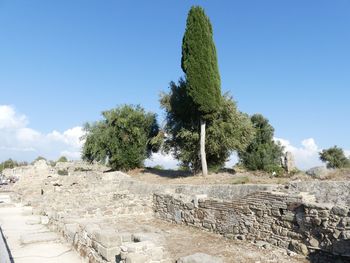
[[227, 131], [262, 153], [334, 157], [8, 164], [158, 167], [38, 159], [123, 139], [62, 159], [82, 169], [199, 62], [62, 172]]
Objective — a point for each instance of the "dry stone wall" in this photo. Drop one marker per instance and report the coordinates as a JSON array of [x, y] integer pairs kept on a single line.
[[292, 221]]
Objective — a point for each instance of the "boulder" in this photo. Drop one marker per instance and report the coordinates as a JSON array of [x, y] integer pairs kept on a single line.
[[319, 172]]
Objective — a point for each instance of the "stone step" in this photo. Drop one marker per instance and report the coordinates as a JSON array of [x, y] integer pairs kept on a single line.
[[38, 238]]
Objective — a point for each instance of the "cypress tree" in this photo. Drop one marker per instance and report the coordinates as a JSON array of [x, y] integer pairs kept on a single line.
[[200, 65]]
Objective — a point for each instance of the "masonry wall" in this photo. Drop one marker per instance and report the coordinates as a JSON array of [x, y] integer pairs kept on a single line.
[[284, 220]]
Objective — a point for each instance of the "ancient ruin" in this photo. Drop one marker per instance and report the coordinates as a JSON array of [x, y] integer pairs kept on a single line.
[[112, 217]]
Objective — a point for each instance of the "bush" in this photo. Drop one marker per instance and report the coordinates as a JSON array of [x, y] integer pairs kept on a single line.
[[62, 172], [262, 153], [62, 159], [8, 164], [82, 169], [123, 139], [38, 159], [334, 157]]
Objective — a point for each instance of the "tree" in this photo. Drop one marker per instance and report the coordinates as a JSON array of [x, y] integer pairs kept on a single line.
[[200, 65], [262, 153], [227, 131], [62, 159], [334, 157], [8, 164], [123, 139]]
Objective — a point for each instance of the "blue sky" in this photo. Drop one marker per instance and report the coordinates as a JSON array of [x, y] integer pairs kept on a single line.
[[63, 62]]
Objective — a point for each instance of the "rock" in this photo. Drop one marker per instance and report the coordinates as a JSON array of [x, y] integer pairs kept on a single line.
[[288, 162], [263, 244], [314, 242], [199, 258], [136, 258], [298, 247], [319, 172], [340, 210]]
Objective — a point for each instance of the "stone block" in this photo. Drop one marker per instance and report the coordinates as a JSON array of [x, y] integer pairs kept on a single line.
[[138, 246], [137, 258], [109, 254], [196, 199], [108, 238], [199, 258]]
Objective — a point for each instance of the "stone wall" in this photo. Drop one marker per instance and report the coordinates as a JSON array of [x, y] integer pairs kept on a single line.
[[292, 221], [336, 192]]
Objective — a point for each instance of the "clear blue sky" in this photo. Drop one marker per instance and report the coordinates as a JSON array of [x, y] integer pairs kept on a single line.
[[63, 62]]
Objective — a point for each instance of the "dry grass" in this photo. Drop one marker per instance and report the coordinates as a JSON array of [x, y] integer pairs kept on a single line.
[[229, 177]]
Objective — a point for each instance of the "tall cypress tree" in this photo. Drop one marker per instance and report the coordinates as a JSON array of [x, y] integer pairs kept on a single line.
[[199, 63]]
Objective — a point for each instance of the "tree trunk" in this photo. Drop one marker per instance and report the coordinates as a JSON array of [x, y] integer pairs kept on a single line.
[[202, 149]]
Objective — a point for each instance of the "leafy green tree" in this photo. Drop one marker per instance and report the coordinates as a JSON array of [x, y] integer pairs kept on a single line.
[[228, 130], [334, 157], [8, 164], [38, 159], [62, 159], [125, 137], [262, 153], [200, 65]]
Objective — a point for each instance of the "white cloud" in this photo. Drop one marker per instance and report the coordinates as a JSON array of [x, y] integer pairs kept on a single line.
[[347, 153], [9, 119], [20, 142]]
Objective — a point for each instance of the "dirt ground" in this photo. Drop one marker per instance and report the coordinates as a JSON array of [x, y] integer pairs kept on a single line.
[[159, 176]]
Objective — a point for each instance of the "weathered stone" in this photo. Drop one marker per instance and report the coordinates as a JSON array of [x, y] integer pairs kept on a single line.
[[340, 210], [108, 238], [199, 258], [136, 258], [314, 242], [288, 162], [298, 247]]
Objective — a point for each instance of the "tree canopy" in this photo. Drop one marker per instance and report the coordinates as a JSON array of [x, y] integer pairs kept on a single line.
[[334, 157], [199, 62], [227, 131], [263, 153], [125, 137]]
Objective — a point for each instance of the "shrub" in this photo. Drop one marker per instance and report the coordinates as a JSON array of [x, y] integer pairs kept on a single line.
[[82, 169], [123, 139], [62, 172], [8, 164], [334, 157], [62, 159], [262, 153]]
